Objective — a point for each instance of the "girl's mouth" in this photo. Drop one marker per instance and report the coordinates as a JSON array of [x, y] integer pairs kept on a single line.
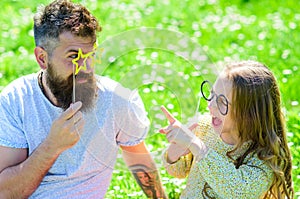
[[216, 122]]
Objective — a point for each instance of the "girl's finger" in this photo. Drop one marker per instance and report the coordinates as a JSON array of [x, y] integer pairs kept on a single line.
[[167, 129], [168, 115]]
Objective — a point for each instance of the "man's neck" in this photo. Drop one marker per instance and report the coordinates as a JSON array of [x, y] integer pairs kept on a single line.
[[46, 90]]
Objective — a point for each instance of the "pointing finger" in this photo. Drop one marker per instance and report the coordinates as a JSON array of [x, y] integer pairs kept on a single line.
[[166, 130], [168, 115], [163, 131]]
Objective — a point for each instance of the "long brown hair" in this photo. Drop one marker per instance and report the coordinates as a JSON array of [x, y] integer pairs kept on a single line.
[[256, 106]]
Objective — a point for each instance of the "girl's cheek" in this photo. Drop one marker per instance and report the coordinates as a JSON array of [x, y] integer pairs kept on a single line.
[[210, 104]]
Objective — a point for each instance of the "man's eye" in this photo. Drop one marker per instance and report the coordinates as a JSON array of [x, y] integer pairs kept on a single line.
[[73, 56], [92, 55]]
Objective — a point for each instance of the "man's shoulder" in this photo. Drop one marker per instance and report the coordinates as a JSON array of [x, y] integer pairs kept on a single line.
[[119, 94], [22, 81], [108, 85], [23, 85]]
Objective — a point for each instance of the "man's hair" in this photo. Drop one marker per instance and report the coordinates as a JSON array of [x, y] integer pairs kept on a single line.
[[62, 16]]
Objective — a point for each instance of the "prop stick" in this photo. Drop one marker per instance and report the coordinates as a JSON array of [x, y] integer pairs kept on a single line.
[[74, 94]]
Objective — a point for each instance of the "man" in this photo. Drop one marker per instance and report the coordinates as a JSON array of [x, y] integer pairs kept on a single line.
[[60, 142]]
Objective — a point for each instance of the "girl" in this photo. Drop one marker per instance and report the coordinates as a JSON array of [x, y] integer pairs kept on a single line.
[[242, 151]]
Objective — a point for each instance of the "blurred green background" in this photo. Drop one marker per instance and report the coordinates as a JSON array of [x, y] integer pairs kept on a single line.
[[165, 48]]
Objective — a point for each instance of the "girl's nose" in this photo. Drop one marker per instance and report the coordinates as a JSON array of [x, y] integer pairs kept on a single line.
[[212, 104]]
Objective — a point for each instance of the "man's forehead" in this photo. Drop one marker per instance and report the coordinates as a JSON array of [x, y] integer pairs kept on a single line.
[[68, 39]]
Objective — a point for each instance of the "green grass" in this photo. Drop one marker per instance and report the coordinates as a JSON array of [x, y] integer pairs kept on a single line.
[[221, 30]]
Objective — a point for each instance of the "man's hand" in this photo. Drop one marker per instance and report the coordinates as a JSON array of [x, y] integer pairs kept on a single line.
[[65, 131], [20, 175]]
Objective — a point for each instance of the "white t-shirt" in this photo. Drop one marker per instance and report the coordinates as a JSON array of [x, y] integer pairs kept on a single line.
[[85, 170]]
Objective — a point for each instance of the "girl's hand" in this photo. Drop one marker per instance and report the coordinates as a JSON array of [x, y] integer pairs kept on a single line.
[[178, 134]]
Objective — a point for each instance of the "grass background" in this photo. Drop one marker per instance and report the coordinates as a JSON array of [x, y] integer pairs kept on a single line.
[[171, 71]]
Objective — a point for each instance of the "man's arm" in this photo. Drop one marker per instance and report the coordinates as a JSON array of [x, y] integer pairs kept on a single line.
[[142, 166], [20, 175]]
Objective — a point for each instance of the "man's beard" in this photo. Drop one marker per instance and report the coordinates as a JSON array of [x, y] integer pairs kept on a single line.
[[62, 89]]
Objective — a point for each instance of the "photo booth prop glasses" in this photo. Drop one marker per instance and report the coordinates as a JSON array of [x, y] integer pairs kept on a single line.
[[208, 94]]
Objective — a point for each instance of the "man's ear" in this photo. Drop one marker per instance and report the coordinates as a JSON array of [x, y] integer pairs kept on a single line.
[[41, 57]]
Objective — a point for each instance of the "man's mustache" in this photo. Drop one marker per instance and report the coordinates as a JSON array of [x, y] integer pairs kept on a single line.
[[83, 75]]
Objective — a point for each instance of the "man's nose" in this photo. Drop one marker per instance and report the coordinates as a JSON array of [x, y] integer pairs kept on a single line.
[[86, 65], [89, 65]]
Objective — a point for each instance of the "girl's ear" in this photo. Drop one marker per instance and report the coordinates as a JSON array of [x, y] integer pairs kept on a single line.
[[41, 57]]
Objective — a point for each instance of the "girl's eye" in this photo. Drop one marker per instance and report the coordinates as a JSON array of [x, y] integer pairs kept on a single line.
[[222, 100]]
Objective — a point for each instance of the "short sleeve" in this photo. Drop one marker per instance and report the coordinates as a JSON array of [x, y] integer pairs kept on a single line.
[[11, 133], [130, 117]]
